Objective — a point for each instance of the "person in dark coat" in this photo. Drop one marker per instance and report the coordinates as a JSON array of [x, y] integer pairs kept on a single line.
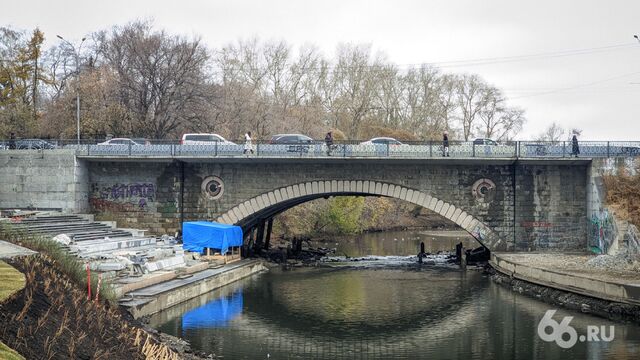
[[445, 144], [575, 148], [328, 140], [12, 141]]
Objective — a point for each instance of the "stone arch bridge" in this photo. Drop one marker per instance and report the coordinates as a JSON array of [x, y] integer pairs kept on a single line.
[[506, 204]]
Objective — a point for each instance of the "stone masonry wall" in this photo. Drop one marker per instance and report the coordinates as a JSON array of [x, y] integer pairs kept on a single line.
[[551, 207], [550, 200], [32, 179], [137, 195]]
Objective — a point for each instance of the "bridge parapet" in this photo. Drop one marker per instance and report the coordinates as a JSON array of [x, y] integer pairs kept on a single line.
[[350, 149]]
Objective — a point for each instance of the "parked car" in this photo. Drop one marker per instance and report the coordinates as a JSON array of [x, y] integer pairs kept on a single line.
[[204, 139], [480, 141], [382, 141], [34, 144], [295, 142], [119, 141]]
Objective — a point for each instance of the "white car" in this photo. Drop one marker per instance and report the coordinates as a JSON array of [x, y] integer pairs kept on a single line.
[[204, 139], [382, 141], [119, 141]]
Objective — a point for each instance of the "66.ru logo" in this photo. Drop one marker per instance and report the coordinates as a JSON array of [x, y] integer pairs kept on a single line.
[[558, 331]]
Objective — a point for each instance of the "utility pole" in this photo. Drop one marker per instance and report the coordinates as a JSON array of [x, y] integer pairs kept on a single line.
[[77, 56]]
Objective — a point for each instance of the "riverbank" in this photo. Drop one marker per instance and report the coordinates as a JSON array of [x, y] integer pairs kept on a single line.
[[572, 281], [11, 281], [52, 318]]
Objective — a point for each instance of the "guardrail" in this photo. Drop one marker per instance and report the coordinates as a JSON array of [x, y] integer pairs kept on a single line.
[[345, 149]]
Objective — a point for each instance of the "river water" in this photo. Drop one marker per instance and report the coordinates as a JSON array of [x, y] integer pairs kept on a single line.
[[383, 307]]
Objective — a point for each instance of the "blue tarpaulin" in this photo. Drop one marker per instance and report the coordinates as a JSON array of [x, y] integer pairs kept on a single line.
[[197, 235]]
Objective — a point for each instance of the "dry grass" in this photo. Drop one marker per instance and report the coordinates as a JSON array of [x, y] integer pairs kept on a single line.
[[623, 196], [52, 319], [11, 281], [7, 353]]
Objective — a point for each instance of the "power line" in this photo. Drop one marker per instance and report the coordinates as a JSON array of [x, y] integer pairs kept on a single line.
[[466, 62], [577, 86], [563, 53]]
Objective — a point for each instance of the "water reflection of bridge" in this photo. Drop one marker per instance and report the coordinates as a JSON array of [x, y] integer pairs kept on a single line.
[[288, 327], [477, 318]]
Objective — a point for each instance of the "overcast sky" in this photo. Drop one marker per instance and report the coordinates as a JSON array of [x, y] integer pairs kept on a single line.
[[597, 90]]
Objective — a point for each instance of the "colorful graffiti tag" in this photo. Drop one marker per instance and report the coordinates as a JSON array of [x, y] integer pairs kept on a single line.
[[603, 231], [122, 197], [125, 191], [478, 233]]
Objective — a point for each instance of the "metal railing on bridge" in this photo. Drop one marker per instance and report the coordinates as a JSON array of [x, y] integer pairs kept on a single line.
[[344, 149]]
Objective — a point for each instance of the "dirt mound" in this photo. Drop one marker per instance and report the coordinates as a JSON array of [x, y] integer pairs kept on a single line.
[[51, 318]]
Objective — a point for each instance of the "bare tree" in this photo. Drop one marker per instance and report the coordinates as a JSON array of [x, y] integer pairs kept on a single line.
[[136, 80], [472, 97], [553, 133], [353, 75], [496, 119], [160, 77]]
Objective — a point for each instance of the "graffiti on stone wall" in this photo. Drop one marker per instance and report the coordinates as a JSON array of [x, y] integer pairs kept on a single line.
[[122, 197], [603, 231], [478, 233]]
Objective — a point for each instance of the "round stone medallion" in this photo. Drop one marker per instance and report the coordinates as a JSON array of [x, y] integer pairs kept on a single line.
[[483, 190], [212, 187]]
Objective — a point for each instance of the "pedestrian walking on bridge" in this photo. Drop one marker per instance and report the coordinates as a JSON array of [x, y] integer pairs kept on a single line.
[[445, 144], [247, 143], [12, 141], [575, 148], [328, 140]]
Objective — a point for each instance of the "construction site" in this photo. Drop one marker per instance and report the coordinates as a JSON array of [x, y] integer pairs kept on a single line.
[[130, 275]]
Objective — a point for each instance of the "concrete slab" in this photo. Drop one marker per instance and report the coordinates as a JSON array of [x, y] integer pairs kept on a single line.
[[157, 289], [540, 269], [9, 250], [159, 297]]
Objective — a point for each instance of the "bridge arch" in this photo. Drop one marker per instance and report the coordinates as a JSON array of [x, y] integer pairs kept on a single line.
[[266, 205]]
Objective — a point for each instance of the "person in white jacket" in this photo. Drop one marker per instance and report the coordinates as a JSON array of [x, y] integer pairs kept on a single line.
[[247, 143]]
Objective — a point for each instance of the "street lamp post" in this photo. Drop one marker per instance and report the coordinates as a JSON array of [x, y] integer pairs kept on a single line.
[[77, 56]]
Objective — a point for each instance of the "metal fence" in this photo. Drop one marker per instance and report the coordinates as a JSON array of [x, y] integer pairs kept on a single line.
[[344, 149]]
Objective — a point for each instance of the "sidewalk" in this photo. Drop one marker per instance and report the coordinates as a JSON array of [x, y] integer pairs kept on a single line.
[[573, 273], [8, 250]]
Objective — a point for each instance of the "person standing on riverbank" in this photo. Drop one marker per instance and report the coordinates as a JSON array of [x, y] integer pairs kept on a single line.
[[247, 143], [445, 144]]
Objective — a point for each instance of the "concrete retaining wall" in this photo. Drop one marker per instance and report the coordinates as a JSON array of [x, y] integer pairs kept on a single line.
[[176, 296], [607, 290]]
